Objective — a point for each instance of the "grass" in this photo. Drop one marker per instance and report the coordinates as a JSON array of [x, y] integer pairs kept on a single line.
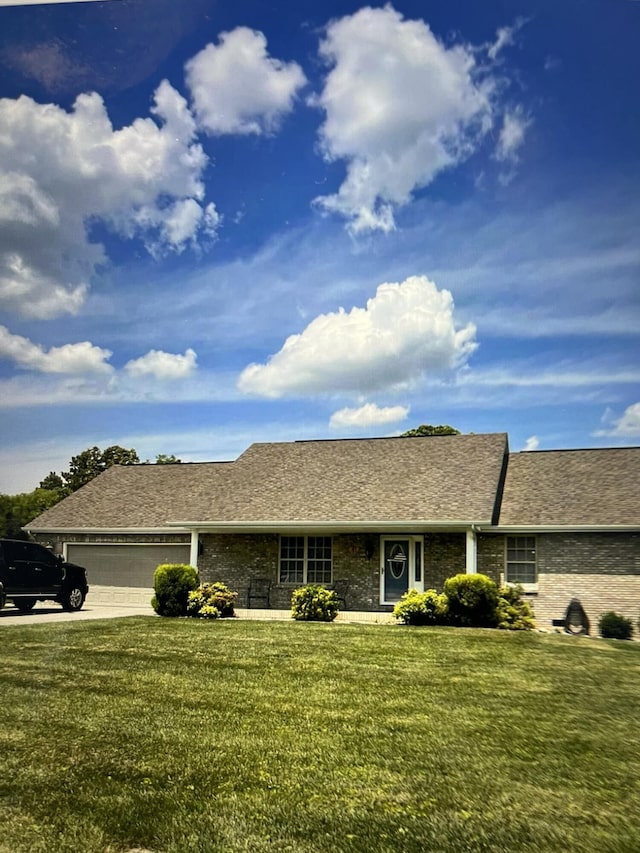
[[187, 735]]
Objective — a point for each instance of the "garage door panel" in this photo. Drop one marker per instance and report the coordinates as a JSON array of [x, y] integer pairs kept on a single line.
[[125, 565]]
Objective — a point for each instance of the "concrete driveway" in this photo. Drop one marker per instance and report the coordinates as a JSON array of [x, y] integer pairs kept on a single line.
[[45, 611]]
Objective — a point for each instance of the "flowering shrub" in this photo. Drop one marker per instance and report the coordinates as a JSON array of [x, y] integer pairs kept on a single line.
[[513, 613], [314, 604], [422, 608], [468, 600], [211, 601]]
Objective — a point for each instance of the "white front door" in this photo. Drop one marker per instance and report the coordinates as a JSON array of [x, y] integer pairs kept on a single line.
[[401, 566]]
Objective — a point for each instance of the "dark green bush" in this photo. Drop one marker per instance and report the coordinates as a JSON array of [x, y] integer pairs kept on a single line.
[[211, 600], [513, 614], [172, 583], [614, 626], [314, 604], [473, 600], [422, 608]]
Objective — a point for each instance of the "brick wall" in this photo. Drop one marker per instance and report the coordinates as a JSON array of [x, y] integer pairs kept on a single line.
[[445, 554], [234, 559], [602, 570], [491, 556]]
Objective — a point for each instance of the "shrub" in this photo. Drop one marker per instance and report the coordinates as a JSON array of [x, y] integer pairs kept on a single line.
[[473, 600], [422, 608], [614, 626], [211, 600], [314, 604], [513, 614], [172, 583]]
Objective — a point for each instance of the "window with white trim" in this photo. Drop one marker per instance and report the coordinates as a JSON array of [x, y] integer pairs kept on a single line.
[[521, 560], [305, 559]]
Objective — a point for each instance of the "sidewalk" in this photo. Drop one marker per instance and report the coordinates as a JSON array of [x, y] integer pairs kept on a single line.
[[363, 616], [48, 612]]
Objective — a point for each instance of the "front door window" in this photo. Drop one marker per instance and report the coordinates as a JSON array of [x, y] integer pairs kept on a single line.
[[401, 566], [396, 568]]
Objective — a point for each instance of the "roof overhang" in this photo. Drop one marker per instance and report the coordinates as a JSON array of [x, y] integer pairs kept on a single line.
[[106, 530], [329, 526], [566, 528]]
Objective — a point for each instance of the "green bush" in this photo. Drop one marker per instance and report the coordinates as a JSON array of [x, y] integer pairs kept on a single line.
[[314, 604], [614, 626], [513, 614], [473, 600], [211, 600], [172, 583], [422, 608]]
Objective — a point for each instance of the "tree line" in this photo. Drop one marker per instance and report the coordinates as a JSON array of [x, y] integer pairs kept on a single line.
[[18, 510]]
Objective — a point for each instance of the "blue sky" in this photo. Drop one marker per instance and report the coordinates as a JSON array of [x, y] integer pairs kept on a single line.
[[233, 222]]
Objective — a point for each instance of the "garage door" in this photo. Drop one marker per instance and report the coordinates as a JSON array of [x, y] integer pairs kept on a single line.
[[125, 565]]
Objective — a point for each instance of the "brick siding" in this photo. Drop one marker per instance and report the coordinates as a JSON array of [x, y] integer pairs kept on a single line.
[[602, 570], [445, 554], [234, 559]]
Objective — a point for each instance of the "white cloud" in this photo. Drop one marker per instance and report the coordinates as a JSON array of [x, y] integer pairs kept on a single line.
[[532, 443], [505, 36], [163, 365], [400, 107], [237, 87], [511, 138], [61, 171], [80, 358], [564, 375], [626, 426], [405, 331], [367, 415]]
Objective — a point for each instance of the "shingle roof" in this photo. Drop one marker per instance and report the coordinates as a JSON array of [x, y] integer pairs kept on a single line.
[[127, 496], [434, 479], [573, 487]]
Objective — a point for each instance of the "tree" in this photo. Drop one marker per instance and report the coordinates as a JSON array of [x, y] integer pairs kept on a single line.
[[163, 459], [429, 429], [53, 482], [93, 461], [16, 511]]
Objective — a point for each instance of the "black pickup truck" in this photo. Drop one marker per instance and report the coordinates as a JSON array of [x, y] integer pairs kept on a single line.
[[30, 573]]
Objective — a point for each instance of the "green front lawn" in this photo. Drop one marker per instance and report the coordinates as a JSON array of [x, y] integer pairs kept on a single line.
[[185, 735]]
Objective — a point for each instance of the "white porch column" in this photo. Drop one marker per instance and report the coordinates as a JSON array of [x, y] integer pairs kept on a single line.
[[193, 554], [472, 552]]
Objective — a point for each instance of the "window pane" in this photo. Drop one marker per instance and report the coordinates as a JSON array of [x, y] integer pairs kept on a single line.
[[418, 561], [319, 559], [521, 559], [521, 573], [291, 559]]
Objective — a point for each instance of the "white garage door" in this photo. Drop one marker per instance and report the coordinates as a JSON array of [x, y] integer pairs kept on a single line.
[[124, 565]]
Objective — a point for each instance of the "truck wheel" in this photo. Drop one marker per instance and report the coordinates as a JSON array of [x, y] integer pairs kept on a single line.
[[73, 598]]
